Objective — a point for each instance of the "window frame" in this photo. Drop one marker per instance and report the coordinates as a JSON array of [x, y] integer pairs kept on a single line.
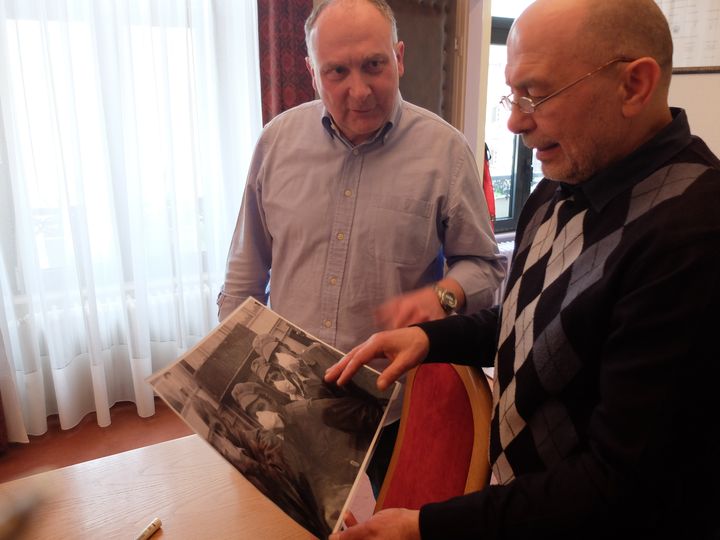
[[522, 171]]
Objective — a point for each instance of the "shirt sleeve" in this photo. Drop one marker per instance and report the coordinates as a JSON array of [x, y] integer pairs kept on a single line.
[[250, 255], [469, 242]]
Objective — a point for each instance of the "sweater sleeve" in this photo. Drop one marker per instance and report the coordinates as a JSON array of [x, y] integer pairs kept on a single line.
[[463, 339]]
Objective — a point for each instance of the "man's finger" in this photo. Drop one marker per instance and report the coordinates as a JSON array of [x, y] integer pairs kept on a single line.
[[394, 371], [350, 520], [361, 355], [334, 371]]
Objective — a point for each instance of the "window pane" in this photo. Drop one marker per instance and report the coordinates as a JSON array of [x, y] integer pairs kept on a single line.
[[501, 142], [508, 8], [537, 174], [499, 139]]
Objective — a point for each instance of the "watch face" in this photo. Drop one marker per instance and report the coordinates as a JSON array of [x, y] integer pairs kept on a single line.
[[449, 300]]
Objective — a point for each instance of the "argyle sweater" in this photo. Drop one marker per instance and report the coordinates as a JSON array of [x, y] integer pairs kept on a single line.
[[606, 418]]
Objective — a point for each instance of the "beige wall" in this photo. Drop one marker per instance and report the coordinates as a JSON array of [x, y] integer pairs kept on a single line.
[[699, 95]]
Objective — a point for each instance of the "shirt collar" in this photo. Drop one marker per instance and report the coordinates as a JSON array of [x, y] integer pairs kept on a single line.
[[605, 185], [380, 135]]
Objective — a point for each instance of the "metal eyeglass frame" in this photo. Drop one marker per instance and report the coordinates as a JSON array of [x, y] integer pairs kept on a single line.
[[528, 106]]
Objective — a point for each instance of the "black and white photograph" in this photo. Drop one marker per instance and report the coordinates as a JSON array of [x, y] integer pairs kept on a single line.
[[254, 389]]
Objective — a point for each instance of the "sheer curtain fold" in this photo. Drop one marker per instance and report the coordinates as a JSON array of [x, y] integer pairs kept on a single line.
[[126, 130]]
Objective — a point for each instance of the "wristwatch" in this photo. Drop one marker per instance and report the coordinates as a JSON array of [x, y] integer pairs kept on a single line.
[[448, 300]]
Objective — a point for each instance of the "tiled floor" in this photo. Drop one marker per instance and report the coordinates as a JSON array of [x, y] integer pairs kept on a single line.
[[58, 448]]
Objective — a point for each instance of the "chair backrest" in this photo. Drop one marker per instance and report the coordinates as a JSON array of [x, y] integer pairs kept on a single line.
[[442, 445]]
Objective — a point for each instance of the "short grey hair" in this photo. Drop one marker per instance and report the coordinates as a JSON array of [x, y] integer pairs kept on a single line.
[[382, 6]]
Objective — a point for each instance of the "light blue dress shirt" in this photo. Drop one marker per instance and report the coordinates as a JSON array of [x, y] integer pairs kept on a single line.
[[345, 228]]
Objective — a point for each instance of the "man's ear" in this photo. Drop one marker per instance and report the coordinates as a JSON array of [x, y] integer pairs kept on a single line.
[[640, 79], [399, 56], [309, 66]]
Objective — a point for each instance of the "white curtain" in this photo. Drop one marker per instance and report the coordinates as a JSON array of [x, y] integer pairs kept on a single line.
[[125, 132]]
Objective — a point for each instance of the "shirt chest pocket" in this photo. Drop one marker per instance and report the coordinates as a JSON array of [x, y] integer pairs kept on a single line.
[[400, 229]]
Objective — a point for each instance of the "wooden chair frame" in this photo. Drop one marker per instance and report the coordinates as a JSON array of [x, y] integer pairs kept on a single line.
[[480, 397]]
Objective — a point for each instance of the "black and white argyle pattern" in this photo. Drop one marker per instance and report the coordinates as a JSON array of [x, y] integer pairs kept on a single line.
[[553, 265]]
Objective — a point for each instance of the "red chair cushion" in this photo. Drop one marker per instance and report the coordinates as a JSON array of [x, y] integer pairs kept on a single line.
[[437, 443]]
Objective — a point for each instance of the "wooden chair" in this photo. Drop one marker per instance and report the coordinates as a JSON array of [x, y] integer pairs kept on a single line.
[[442, 445]]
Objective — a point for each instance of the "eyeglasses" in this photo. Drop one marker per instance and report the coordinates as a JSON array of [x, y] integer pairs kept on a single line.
[[528, 106]]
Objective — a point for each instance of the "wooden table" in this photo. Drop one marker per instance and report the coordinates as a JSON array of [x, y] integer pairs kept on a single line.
[[184, 482]]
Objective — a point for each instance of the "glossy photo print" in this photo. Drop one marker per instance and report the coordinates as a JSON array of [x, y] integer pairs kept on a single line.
[[254, 389]]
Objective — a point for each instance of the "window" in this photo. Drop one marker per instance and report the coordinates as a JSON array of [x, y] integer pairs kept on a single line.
[[125, 132], [514, 170]]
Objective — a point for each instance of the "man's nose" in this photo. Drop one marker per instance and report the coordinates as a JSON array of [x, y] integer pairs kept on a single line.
[[520, 122], [359, 87]]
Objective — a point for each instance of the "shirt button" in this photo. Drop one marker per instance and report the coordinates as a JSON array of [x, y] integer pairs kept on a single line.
[[356, 152], [333, 280], [327, 323], [340, 236], [348, 193]]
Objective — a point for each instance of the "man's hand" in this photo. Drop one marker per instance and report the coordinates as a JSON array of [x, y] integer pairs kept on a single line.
[[392, 524], [405, 348], [417, 306], [410, 308]]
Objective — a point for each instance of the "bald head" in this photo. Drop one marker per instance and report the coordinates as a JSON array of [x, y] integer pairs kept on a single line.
[[597, 73], [632, 28], [598, 30]]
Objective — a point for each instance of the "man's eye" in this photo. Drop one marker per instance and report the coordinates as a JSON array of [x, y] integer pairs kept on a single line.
[[336, 73], [536, 94], [374, 66]]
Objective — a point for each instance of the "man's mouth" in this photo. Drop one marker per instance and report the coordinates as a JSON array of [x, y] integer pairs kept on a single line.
[[544, 151]]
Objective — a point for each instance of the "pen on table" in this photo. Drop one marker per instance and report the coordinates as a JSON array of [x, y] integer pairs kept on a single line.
[[148, 531]]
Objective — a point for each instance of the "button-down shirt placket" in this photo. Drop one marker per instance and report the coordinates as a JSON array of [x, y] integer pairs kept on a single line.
[[346, 201]]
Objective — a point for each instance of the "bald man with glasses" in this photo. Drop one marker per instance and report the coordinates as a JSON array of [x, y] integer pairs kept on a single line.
[[605, 421]]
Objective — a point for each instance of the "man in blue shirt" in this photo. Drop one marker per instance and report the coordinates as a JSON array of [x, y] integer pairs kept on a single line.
[[356, 203]]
